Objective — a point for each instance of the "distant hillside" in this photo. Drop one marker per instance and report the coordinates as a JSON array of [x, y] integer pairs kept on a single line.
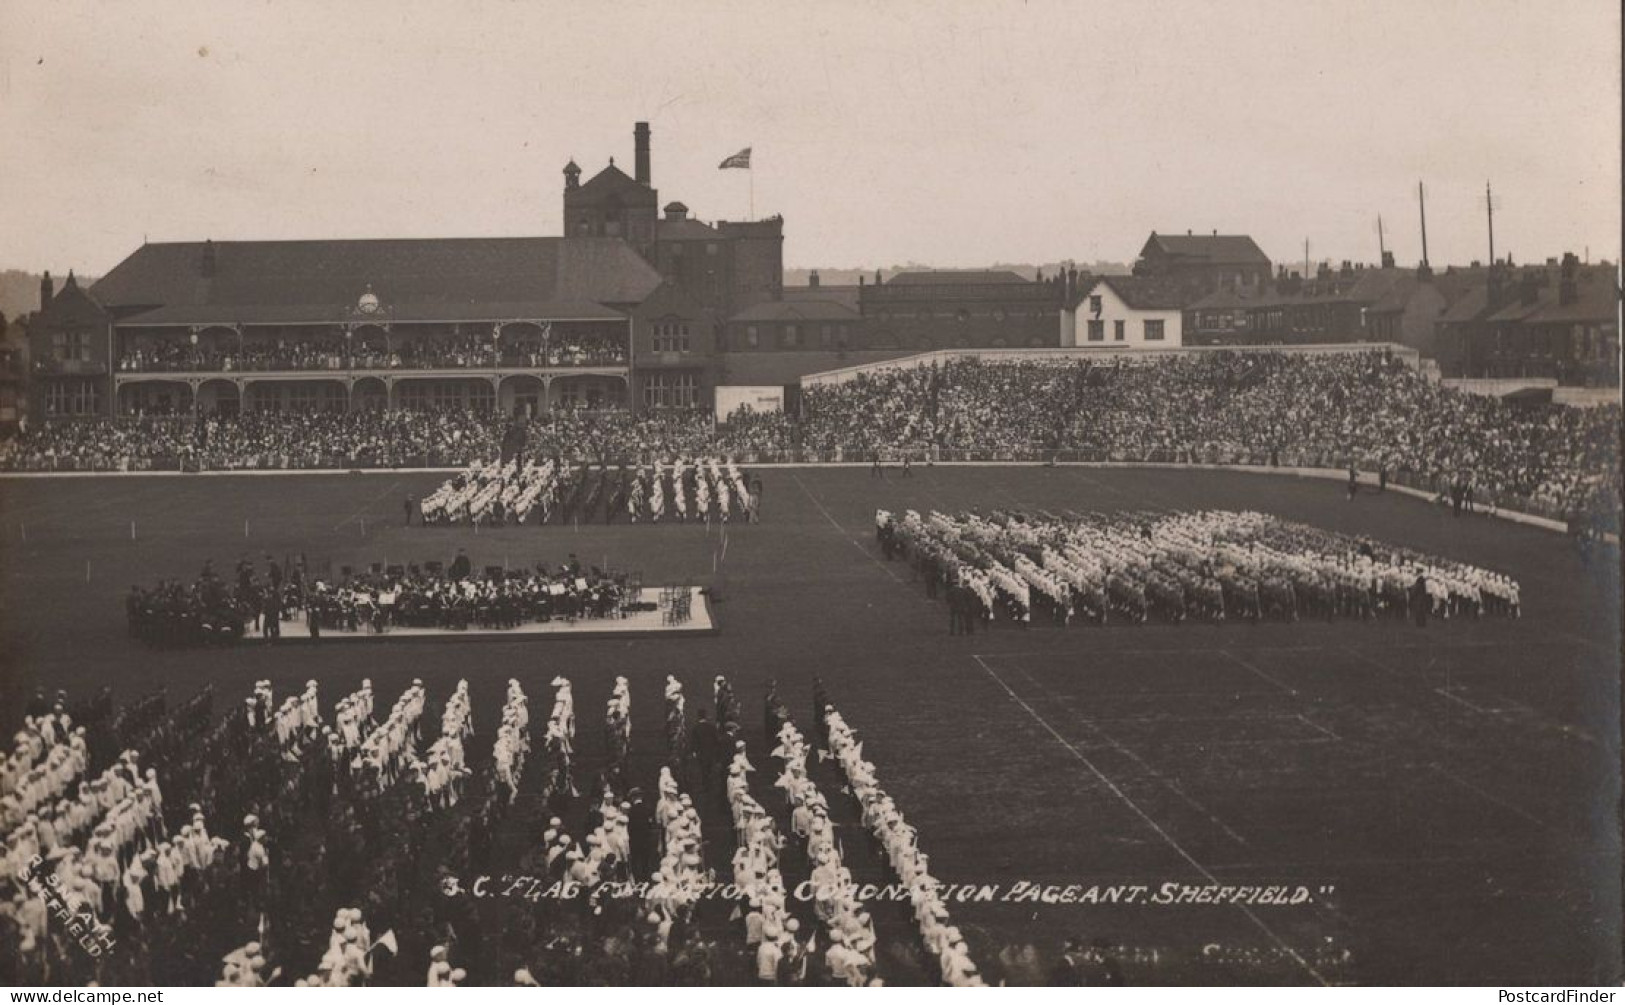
[[19, 291], [849, 277]]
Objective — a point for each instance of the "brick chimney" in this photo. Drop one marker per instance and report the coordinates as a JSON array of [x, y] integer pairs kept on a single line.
[[1568, 290], [812, 279], [208, 262], [640, 143]]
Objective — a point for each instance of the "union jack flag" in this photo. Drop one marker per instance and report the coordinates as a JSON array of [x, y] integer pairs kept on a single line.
[[738, 160]]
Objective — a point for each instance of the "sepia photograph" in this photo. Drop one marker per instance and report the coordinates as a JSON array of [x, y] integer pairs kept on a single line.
[[844, 494]]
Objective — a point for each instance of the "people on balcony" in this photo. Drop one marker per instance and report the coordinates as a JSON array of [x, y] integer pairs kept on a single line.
[[408, 352]]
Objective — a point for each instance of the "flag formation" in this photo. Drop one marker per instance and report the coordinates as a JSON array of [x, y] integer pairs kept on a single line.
[[738, 160]]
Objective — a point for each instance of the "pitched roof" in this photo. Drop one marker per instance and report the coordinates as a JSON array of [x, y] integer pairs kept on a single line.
[[612, 180], [1596, 299], [414, 279], [956, 277], [1470, 306], [1149, 293], [1218, 249], [797, 310]]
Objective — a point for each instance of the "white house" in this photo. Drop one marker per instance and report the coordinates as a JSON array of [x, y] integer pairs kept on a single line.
[[1127, 311]]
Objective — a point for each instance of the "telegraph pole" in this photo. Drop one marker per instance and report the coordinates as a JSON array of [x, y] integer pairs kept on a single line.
[[1421, 201], [1489, 211]]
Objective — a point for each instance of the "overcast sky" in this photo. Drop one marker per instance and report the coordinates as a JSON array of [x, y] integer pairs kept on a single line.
[[954, 133]]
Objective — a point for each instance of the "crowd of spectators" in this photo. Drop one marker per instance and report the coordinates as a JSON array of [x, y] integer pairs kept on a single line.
[[333, 353], [367, 438], [1369, 411]]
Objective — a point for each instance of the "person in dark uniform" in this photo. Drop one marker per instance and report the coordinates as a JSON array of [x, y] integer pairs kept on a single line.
[[707, 748], [1420, 601], [460, 566], [1354, 481], [772, 717], [411, 505], [273, 615], [820, 698]]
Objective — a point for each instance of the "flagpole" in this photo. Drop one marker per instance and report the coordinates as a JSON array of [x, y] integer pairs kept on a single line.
[[752, 173]]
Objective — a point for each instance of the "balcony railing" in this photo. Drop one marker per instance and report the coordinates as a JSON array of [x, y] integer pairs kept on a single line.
[[75, 367], [378, 362]]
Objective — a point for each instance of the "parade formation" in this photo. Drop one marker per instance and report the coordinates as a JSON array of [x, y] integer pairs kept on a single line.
[[648, 892], [1210, 565], [516, 492]]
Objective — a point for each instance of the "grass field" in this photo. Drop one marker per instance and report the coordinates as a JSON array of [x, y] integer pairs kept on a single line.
[[1447, 795]]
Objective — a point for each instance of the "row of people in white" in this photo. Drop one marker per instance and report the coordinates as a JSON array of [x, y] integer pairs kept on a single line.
[[756, 871], [34, 741], [681, 878], [559, 743], [512, 745], [383, 752], [440, 774], [34, 784], [298, 717], [901, 842], [851, 953]]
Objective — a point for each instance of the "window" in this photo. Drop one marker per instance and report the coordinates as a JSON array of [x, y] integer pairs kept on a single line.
[[1119, 330], [670, 390], [72, 397], [482, 397], [72, 346], [671, 337], [792, 337], [1094, 305], [1153, 331], [1097, 331], [753, 337]]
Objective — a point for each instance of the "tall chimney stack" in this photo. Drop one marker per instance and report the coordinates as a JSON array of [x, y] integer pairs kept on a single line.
[[640, 139], [47, 290]]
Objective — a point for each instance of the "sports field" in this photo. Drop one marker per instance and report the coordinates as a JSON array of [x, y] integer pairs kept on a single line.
[[1446, 796]]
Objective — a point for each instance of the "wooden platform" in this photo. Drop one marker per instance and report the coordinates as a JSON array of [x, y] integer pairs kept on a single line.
[[636, 624]]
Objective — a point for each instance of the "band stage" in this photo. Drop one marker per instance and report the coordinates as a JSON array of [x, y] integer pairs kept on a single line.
[[631, 624]]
